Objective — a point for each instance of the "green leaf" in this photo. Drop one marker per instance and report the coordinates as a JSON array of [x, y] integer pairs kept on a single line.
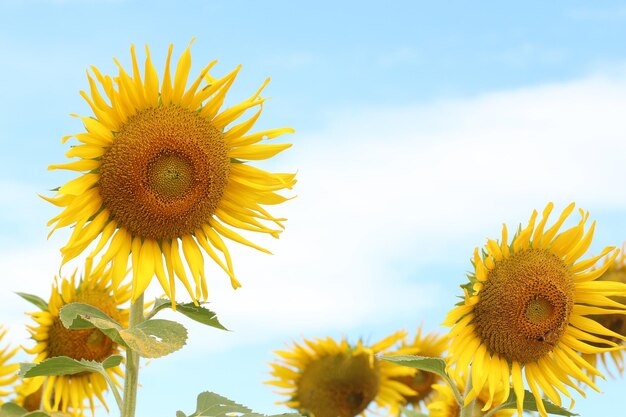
[[63, 365], [530, 404], [434, 365], [423, 363], [155, 338], [195, 312], [12, 410], [112, 361], [210, 404], [37, 301], [78, 315], [84, 316], [38, 414]]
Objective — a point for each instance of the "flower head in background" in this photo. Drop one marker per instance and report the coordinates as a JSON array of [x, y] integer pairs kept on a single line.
[[28, 393], [163, 171], [326, 378], [8, 369], [432, 345], [526, 307], [612, 321], [68, 393]]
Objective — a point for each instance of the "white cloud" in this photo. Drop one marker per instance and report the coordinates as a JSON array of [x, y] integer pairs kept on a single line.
[[408, 185], [382, 187], [530, 55]]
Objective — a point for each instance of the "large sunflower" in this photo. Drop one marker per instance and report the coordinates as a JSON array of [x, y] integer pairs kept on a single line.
[[616, 322], [525, 309], [325, 378], [69, 392], [8, 370], [431, 345], [164, 170]]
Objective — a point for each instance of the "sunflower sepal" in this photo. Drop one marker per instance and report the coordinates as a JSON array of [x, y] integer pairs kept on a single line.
[[210, 404], [530, 404], [428, 364], [195, 312], [35, 300]]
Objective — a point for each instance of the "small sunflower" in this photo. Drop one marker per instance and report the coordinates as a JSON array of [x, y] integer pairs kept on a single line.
[[325, 378], [8, 370], [615, 322], [431, 345], [525, 308], [28, 393], [444, 404], [164, 169], [69, 392]]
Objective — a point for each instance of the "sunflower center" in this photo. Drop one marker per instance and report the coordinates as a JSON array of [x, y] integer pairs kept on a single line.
[[89, 344], [170, 176], [165, 173], [538, 310], [525, 305], [341, 385]]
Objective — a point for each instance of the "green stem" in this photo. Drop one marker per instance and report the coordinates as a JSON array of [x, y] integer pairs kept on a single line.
[[468, 410], [132, 363], [113, 387]]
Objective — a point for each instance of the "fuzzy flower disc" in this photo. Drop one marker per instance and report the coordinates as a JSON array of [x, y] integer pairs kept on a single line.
[[325, 378]]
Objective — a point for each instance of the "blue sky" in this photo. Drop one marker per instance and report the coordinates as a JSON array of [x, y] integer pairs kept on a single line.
[[421, 128]]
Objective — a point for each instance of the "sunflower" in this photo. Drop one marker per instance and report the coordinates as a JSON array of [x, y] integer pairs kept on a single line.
[[28, 393], [443, 403], [163, 169], [69, 392], [525, 308], [431, 345], [614, 322], [325, 378], [8, 370]]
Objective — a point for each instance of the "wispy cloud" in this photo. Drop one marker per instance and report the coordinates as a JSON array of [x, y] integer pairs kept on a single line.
[[530, 55], [396, 186], [615, 13]]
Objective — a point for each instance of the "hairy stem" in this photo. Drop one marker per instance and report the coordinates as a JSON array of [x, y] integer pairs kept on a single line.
[[132, 363], [468, 410]]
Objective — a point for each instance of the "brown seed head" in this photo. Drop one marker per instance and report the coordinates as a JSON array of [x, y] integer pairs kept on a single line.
[[89, 344], [525, 305], [341, 385], [165, 173]]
